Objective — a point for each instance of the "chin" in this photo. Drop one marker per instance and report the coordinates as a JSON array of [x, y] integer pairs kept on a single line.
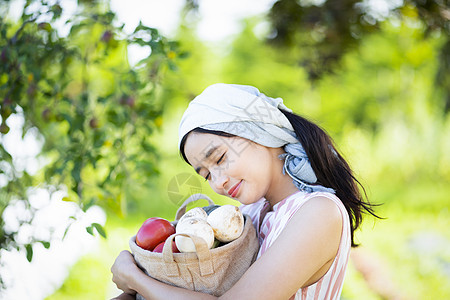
[[247, 199]]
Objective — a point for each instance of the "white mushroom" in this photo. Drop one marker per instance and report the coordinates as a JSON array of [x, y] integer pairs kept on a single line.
[[227, 222], [196, 212], [208, 209], [194, 226]]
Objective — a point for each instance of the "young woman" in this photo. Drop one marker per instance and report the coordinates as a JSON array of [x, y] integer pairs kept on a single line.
[[293, 183]]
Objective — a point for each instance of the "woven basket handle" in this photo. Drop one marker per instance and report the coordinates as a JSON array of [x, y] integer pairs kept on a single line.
[[202, 251], [182, 209]]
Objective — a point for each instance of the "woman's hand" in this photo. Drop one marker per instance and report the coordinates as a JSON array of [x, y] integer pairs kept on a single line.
[[129, 278], [124, 269]]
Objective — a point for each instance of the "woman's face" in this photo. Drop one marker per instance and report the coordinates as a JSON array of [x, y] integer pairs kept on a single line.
[[234, 166]]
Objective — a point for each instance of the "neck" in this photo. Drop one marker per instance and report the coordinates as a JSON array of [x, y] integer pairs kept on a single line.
[[281, 185]]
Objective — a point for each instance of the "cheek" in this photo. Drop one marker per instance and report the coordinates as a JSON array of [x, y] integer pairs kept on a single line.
[[220, 192], [258, 162], [257, 169]]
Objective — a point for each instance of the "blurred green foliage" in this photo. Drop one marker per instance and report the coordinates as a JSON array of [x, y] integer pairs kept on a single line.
[[324, 31], [78, 93]]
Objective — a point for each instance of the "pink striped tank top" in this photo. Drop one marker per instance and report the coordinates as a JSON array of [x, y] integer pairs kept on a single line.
[[270, 224]]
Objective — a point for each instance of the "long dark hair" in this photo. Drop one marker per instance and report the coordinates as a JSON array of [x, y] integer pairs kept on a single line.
[[330, 167]]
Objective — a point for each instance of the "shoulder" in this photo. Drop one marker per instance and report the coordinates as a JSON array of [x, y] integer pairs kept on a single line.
[[318, 223], [324, 206], [319, 218]]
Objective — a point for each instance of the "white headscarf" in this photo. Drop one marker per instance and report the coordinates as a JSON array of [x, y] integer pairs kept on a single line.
[[243, 111]]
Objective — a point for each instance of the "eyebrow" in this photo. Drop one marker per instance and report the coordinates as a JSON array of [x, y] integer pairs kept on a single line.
[[207, 154]]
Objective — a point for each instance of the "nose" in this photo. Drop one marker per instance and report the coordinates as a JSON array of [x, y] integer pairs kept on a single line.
[[218, 181]]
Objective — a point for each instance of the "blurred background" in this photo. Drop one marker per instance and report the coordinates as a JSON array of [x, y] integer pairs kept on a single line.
[[91, 93]]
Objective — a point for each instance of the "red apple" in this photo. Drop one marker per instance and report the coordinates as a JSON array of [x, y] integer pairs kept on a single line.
[[160, 247], [152, 232]]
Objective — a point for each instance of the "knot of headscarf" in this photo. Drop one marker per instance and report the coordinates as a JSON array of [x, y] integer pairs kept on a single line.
[[298, 167], [246, 112]]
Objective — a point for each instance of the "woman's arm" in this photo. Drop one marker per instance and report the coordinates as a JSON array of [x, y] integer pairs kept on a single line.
[[125, 296], [302, 253]]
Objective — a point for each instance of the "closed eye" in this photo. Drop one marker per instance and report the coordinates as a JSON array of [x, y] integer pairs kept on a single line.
[[221, 158], [218, 162]]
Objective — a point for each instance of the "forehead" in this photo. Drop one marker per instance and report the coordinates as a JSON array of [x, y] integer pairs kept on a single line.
[[199, 145]]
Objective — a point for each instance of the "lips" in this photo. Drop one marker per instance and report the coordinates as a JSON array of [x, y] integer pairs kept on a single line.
[[235, 189]]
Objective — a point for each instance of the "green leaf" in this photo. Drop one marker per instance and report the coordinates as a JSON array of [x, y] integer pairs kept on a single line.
[[56, 10], [67, 117], [99, 139], [45, 244], [90, 230], [68, 227], [29, 249], [172, 66], [100, 229], [45, 26], [89, 204], [184, 54], [76, 170], [75, 187], [148, 147]]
